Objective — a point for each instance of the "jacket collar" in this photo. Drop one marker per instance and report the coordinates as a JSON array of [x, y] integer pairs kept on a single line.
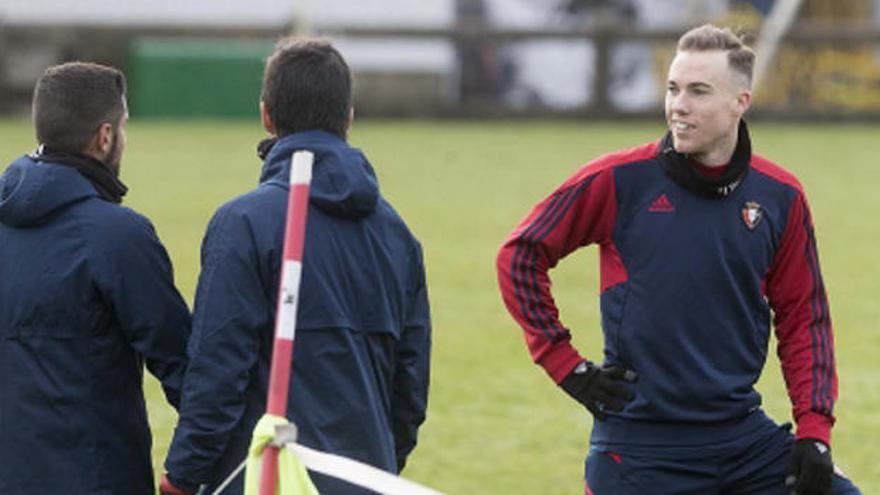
[[105, 182], [343, 181], [277, 161]]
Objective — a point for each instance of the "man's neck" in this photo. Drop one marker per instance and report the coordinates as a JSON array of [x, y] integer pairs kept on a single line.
[[721, 154], [92, 153]]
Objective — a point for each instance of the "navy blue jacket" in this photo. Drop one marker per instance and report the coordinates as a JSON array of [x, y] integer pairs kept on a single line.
[[361, 356], [86, 297]]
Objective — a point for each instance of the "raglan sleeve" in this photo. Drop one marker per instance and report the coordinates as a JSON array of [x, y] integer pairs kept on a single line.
[[137, 279], [802, 322], [581, 211], [413, 365], [231, 308]]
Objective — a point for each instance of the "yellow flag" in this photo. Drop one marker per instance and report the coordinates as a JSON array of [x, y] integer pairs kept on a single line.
[[292, 476]]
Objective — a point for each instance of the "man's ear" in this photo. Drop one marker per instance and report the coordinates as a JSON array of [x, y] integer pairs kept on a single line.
[[101, 142], [744, 101], [350, 121], [267, 120]]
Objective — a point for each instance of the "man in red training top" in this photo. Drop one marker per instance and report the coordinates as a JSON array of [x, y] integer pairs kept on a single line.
[[699, 240]]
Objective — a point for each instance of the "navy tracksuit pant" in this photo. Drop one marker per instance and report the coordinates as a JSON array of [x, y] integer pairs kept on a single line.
[[756, 464]]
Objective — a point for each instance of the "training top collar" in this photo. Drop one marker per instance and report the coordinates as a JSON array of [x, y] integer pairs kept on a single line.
[[681, 168]]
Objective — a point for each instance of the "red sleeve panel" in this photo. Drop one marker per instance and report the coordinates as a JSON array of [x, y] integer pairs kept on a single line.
[[797, 295], [581, 211]]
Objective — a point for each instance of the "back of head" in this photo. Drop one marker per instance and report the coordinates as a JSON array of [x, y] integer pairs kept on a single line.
[[307, 86], [72, 100], [709, 37]]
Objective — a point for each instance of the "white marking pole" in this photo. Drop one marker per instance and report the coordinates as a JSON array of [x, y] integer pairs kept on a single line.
[[288, 298]]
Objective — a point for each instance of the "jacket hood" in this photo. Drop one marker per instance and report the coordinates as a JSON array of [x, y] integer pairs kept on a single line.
[[343, 181], [30, 192]]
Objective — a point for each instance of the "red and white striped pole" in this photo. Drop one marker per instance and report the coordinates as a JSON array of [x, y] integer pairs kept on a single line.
[[288, 296]]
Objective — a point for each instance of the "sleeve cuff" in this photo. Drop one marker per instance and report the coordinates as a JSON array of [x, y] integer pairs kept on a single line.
[[561, 359], [816, 426]]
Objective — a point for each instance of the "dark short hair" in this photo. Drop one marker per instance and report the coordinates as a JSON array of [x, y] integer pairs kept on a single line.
[[708, 37], [307, 85], [72, 100]]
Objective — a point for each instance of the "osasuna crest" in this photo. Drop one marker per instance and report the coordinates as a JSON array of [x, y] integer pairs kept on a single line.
[[751, 214]]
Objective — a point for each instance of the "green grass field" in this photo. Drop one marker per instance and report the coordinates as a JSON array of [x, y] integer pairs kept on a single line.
[[496, 423]]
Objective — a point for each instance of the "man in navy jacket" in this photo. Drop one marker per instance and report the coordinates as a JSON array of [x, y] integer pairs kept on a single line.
[[699, 239], [86, 299], [359, 381]]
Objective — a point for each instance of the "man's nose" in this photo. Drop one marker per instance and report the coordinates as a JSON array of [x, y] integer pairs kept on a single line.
[[679, 104]]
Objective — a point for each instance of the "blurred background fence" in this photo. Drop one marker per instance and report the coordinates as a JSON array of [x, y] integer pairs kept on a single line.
[[443, 58]]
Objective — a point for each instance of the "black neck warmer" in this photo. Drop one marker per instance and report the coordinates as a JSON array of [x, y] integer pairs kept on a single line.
[[681, 169], [265, 146], [108, 186]]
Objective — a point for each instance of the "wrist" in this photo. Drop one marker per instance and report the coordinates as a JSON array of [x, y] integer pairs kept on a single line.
[[174, 486], [560, 360], [816, 426], [577, 381]]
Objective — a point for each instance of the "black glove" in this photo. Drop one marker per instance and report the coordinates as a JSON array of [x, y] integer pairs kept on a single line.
[[811, 468], [600, 389]]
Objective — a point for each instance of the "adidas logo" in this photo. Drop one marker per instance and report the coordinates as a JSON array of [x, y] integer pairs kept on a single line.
[[661, 205]]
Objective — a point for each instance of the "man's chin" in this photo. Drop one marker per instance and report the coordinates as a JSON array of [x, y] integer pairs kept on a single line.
[[684, 147]]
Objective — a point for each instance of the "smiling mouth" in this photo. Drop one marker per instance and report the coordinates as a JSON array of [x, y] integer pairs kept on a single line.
[[681, 126]]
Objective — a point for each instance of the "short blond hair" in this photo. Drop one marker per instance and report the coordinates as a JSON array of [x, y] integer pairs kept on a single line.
[[708, 37]]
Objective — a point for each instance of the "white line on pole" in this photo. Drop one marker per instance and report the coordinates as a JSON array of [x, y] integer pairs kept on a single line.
[[291, 273]]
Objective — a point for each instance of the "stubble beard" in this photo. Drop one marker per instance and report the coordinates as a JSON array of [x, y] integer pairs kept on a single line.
[[114, 157]]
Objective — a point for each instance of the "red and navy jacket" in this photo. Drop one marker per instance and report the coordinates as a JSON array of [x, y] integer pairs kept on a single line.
[[688, 283]]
